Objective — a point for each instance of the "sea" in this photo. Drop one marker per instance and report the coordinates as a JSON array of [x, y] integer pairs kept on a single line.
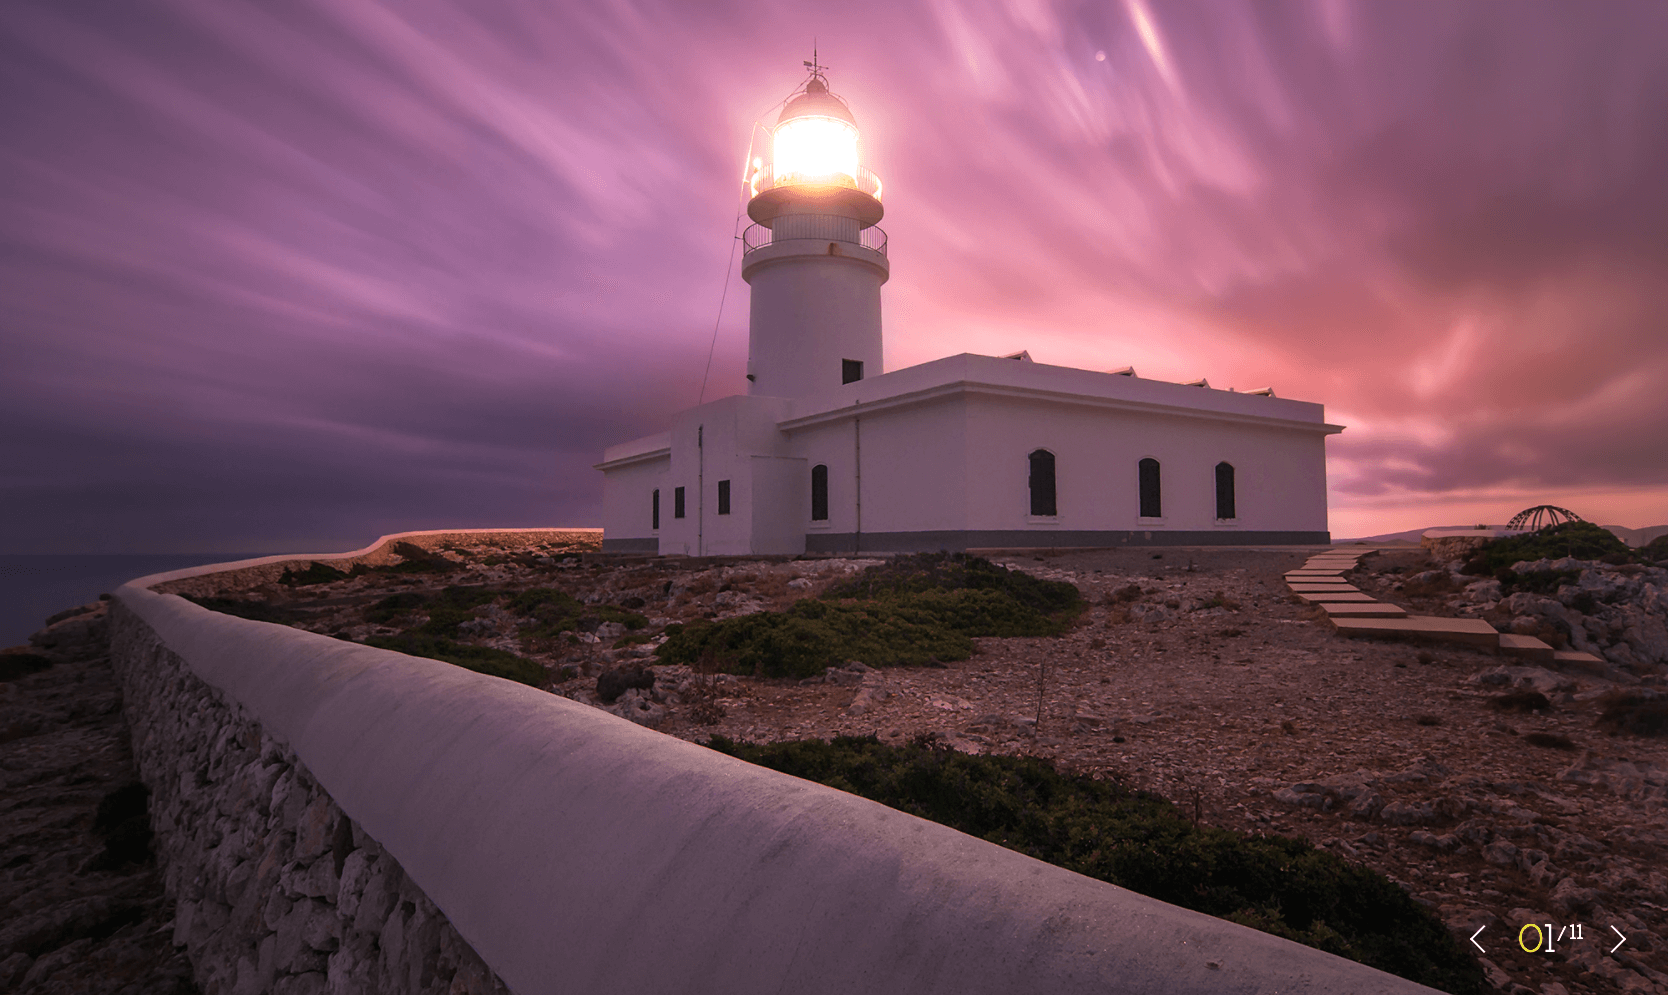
[[34, 587]]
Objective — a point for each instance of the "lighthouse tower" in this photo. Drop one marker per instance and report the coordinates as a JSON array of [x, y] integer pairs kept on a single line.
[[814, 258]]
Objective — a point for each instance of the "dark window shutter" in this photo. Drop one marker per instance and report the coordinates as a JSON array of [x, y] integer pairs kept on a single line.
[[1042, 483], [1225, 491], [851, 370], [1150, 504], [654, 515], [819, 493], [723, 497], [677, 502]]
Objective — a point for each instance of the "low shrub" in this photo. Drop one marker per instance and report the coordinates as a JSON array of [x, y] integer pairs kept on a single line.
[[259, 611], [415, 559], [1520, 701], [1539, 582], [1582, 540], [1141, 842], [813, 635], [925, 572], [481, 659], [1638, 713], [912, 611], [17, 665], [1551, 740], [316, 573], [555, 612]]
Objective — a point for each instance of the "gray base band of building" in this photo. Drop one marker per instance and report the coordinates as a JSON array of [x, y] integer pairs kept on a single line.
[[956, 540], [647, 544]]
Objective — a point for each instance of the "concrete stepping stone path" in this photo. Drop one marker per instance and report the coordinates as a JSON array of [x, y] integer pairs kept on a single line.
[[1375, 609], [1314, 597], [1527, 647], [1470, 631]]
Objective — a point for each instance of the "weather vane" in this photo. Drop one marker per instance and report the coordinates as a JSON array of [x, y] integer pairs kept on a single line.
[[815, 65]]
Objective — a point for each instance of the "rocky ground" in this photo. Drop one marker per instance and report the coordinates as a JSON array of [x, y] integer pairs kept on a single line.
[[1194, 674], [81, 904]]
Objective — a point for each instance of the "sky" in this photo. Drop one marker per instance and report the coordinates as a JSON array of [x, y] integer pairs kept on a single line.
[[286, 277]]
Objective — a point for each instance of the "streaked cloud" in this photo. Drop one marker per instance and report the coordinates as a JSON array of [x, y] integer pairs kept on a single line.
[[317, 270]]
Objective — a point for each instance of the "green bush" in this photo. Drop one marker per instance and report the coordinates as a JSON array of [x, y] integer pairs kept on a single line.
[[1582, 540], [1655, 550], [481, 659], [910, 611], [395, 605], [811, 636], [1141, 842], [260, 611], [954, 572], [316, 573]]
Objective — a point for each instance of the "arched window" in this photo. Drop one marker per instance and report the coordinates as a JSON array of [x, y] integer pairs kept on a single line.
[[1042, 483], [819, 493], [1151, 506], [1225, 491]]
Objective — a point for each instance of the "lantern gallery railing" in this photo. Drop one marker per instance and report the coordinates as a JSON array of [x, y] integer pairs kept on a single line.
[[823, 227], [862, 180]]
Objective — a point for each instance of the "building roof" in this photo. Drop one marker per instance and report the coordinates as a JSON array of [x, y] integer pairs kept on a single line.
[[993, 376]]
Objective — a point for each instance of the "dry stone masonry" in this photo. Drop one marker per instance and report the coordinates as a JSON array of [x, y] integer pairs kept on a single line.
[[277, 889]]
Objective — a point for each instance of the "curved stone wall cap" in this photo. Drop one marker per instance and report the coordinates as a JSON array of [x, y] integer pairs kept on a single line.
[[1477, 533], [151, 580], [559, 839]]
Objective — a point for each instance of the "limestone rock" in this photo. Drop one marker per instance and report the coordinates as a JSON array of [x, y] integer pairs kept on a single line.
[[613, 683]]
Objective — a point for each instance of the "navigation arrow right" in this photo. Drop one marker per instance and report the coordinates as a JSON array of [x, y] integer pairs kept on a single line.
[[1618, 933]]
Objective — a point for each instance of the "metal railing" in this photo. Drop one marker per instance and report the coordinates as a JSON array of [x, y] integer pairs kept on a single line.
[[865, 181], [821, 227]]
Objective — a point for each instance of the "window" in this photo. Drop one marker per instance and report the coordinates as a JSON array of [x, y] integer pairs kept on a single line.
[[819, 493], [677, 502], [1150, 504], [851, 370], [1225, 491], [723, 497], [1042, 483], [654, 513]]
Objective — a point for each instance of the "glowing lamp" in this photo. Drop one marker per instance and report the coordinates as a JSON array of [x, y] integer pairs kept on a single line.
[[815, 149], [814, 165]]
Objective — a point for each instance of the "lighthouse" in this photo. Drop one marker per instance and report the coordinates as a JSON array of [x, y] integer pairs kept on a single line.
[[815, 260], [827, 452]]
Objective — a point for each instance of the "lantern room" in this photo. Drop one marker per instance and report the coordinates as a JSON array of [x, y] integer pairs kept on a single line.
[[814, 165]]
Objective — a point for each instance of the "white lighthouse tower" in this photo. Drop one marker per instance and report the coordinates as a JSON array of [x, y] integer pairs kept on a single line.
[[814, 261], [829, 453]]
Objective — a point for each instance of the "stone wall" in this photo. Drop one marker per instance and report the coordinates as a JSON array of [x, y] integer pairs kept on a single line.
[[576, 851], [277, 890]]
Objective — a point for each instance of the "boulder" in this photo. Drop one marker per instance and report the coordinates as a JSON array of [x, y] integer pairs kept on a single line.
[[611, 684]]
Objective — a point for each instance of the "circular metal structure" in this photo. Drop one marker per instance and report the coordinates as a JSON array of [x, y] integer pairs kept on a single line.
[[1542, 516]]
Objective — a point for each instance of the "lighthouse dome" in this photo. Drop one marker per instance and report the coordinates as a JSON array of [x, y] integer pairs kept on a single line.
[[816, 101]]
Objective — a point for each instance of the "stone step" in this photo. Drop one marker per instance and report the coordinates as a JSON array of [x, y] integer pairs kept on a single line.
[[1376, 609], [1527, 647], [1472, 631], [1313, 573], [1298, 587], [1576, 656], [1333, 561], [1333, 596]]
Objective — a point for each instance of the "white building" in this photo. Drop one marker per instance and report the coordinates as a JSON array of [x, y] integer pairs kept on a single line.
[[829, 453]]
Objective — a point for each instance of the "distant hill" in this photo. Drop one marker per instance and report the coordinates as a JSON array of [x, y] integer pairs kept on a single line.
[[1633, 537], [1638, 537]]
